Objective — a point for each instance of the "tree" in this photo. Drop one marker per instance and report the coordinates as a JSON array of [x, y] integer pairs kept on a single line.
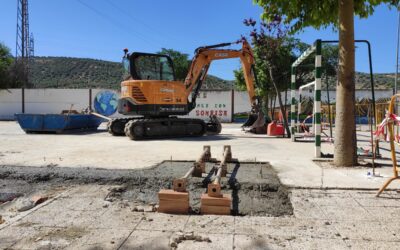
[[181, 62], [6, 60], [340, 14], [274, 51]]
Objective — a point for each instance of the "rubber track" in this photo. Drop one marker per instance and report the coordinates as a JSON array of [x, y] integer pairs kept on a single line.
[[135, 122], [115, 120]]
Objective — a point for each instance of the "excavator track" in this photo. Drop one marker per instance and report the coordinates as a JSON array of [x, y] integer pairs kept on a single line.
[[142, 129], [116, 126]]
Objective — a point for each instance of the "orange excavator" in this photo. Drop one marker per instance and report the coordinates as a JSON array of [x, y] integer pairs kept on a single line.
[[151, 98]]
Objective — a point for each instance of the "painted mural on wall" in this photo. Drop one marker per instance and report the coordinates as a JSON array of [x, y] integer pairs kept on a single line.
[[106, 102], [213, 103]]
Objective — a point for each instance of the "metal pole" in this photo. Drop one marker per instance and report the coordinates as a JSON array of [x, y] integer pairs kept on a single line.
[[317, 98], [329, 104], [23, 99], [293, 102], [90, 100], [397, 57]]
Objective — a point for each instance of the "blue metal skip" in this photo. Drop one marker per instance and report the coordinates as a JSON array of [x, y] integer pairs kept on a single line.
[[57, 122]]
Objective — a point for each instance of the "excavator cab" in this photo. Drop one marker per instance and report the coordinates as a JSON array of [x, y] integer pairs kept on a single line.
[[145, 66]]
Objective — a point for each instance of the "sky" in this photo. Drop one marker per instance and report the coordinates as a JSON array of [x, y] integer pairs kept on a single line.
[[101, 29]]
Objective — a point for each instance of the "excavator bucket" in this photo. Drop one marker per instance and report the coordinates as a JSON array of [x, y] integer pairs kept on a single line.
[[256, 123], [213, 126]]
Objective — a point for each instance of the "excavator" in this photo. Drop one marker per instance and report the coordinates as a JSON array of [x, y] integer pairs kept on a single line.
[[151, 99]]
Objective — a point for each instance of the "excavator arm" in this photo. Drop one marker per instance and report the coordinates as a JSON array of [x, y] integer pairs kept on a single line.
[[201, 63]]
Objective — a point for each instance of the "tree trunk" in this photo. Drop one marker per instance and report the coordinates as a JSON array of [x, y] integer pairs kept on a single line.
[[345, 129], [285, 122], [271, 99], [265, 103], [273, 109], [286, 89]]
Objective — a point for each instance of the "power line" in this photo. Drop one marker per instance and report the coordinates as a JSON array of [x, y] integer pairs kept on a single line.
[[116, 23], [129, 15]]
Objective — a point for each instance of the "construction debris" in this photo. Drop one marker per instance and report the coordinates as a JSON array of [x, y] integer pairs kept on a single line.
[[38, 199], [179, 237]]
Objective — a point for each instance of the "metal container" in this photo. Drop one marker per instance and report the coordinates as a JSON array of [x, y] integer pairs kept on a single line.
[[57, 122]]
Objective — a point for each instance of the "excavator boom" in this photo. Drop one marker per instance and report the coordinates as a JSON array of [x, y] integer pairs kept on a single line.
[[202, 61]]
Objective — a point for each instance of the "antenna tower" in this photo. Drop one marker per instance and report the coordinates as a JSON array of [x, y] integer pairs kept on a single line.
[[24, 44]]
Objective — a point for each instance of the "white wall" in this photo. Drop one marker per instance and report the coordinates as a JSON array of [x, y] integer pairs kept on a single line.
[[242, 102], [42, 101], [217, 103], [209, 102], [10, 103]]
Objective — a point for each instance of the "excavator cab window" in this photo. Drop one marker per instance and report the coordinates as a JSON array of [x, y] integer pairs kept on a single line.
[[146, 66]]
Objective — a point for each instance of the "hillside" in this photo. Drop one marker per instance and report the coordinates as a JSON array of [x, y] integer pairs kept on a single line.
[[65, 72]]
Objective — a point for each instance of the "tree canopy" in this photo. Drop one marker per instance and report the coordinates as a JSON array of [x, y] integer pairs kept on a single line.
[[317, 14], [181, 62], [6, 61]]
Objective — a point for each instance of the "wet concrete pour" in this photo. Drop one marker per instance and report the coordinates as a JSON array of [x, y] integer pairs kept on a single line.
[[255, 187]]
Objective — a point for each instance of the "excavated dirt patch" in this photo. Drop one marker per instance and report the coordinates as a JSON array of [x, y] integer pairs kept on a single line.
[[255, 187]]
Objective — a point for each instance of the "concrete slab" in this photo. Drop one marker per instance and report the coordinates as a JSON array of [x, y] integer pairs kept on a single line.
[[51, 238], [101, 239], [162, 222], [292, 161], [144, 239], [312, 243], [371, 245], [217, 241], [259, 242], [210, 224]]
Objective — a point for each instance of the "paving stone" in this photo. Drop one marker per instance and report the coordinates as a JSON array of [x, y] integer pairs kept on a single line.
[[218, 241], [381, 213], [101, 239], [370, 202], [308, 210], [210, 224], [364, 230], [298, 228], [259, 242], [159, 221], [117, 218], [372, 245], [317, 244], [51, 238], [58, 217], [10, 235], [249, 225], [77, 203], [345, 213], [145, 240]]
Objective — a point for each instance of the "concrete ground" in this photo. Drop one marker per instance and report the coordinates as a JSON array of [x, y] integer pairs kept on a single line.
[[79, 218], [334, 208], [292, 161]]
